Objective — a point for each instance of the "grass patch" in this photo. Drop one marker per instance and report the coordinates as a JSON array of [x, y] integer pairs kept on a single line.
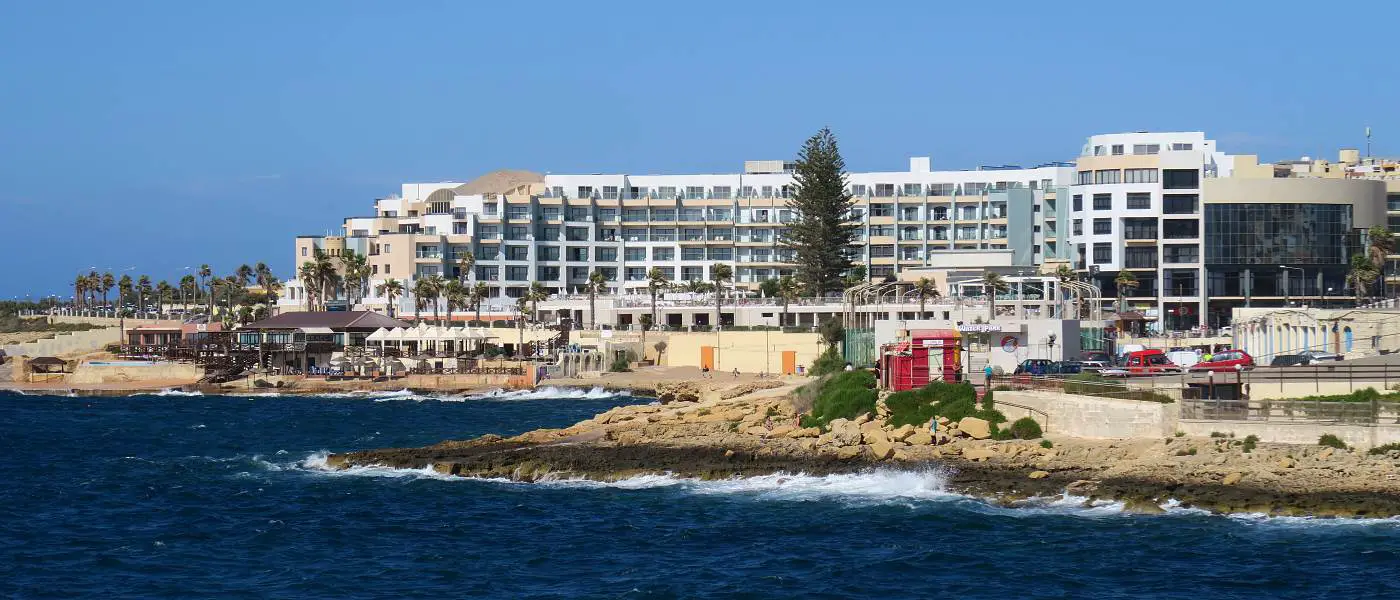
[[829, 362], [1025, 428], [1362, 395], [1386, 449], [954, 401], [846, 395], [1331, 441], [1180, 434], [1046, 444], [1186, 452]]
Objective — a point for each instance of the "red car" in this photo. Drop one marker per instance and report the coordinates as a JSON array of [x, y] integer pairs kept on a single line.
[[1149, 362], [1229, 361]]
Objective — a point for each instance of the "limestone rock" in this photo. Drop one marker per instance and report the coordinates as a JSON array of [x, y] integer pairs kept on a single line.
[[729, 454], [943, 421], [876, 436], [807, 444], [680, 391], [882, 450], [900, 454], [1326, 453], [902, 433], [805, 432], [954, 432], [1039, 474], [847, 433], [1286, 463], [861, 420], [757, 430], [871, 426], [921, 438], [782, 430], [941, 438], [442, 468], [975, 428], [978, 453], [848, 452], [1232, 478]]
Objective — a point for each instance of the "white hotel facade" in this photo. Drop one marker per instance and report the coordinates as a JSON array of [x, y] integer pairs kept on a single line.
[[1134, 201]]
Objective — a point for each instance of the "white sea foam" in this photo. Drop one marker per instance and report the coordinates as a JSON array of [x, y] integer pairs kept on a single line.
[[316, 463], [175, 392], [548, 393]]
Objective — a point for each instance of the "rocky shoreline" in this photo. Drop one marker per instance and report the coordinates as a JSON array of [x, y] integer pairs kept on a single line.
[[721, 433]]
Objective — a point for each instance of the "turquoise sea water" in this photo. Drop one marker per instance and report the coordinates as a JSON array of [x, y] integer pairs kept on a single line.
[[190, 496]]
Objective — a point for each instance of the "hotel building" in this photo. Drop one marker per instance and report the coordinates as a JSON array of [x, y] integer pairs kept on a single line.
[[1201, 230]]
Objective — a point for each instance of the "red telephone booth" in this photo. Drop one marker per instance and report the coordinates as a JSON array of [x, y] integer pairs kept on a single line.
[[927, 355]]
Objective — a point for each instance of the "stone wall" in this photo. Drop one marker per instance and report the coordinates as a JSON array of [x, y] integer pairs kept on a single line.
[[1293, 432], [748, 351], [1089, 416], [90, 373], [66, 342]]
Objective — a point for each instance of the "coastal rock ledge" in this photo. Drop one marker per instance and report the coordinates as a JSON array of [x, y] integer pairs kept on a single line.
[[758, 434]]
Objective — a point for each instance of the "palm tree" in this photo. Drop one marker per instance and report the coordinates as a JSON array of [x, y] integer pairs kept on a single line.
[[80, 284], [435, 283], [456, 296], [143, 291], [269, 283], [1065, 274], [788, 290], [326, 277], [537, 293], [102, 283], [391, 289], [307, 275], [188, 291], [993, 283], [465, 266], [656, 281], [476, 296], [720, 273], [521, 304], [646, 324], [1125, 282], [925, 289], [205, 273], [243, 274], [124, 289], [230, 285], [164, 292], [356, 275], [423, 290], [245, 314], [1362, 274], [596, 283], [1381, 247]]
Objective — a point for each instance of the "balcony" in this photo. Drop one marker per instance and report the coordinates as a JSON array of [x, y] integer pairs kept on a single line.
[[1140, 233]]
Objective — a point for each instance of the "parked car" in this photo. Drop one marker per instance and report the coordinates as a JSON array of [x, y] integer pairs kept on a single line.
[[1227, 361], [1066, 367], [1312, 357], [1149, 362], [1288, 360], [1033, 366]]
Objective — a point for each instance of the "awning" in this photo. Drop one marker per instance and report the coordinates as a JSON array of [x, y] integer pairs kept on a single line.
[[315, 330]]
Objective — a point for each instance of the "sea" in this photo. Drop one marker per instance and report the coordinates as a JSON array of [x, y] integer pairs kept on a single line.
[[188, 496]]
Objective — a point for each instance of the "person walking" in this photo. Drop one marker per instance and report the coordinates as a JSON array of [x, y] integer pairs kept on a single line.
[[988, 372]]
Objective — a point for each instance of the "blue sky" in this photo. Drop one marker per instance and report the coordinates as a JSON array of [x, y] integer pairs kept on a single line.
[[166, 134]]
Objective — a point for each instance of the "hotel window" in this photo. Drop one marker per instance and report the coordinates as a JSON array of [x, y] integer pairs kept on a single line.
[[577, 254], [1084, 178], [585, 191], [909, 213], [692, 214], [722, 234], [668, 272], [1181, 229], [693, 253], [1103, 201], [663, 235], [694, 192], [578, 273], [942, 189], [635, 234], [721, 254], [487, 273], [374, 269], [940, 213], [767, 191], [1078, 203], [634, 215], [666, 192], [1179, 204], [556, 191], [1181, 253], [857, 190], [1139, 175], [719, 214], [609, 273], [517, 273], [517, 232], [1139, 200], [636, 273], [634, 254], [634, 193], [610, 192], [487, 252], [881, 210], [664, 215], [882, 251], [1180, 179], [386, 269], [746, 192], [720, 192], [549, 273], [303, 250], [913, 189], [884, 190], [577, 213], [1118, 149], [1178, 146], [974, 189], [692, 234], [1103, 253], [1146, 148], [1103, 226], [663, 254], [490, 232], [881, 230], [607, 215], [576, 234], [550, 233], [1098, 150], [517, 211], [1108, 176], [489, 209], [692, 273], [549, 253], [606, 255], [517, 253], [1078, 227]]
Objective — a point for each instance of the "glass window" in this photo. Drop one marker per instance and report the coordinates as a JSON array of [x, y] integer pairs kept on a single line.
[[1103, 202], [725, 254], [1077, 227], [884, 190], [857, 190], [1139, 200], [693, 253], [634, 254], [666, 192], [1180, 179], [585, 191], [1078, 203], [1179, 204], [913, 189], [1181, 253], [1103, 226], [1139, 175], [1146, 148], [550, 213], [1118, 149], [606, 254], [1279, 234], [1180, 229], [517, 273], [1107, 176], [694, 192], [881, 210], [720, 192], [1084, 178], [577, 254], [1179, 146], [1103, 253], [663, 253], [1139, 257], [549, 253], [517, 253], [663, 214]]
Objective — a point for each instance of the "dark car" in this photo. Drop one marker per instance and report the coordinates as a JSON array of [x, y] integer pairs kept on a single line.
[[1033, 366], [1288, 360], [1066, 367]]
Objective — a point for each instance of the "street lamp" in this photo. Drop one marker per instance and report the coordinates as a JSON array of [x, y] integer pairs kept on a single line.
[[1287, 283]]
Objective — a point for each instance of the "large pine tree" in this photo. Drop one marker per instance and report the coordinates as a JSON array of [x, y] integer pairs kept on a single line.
[[824, 229]]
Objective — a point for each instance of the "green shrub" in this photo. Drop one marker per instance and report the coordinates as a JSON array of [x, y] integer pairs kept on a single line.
[[1386, 449], [1025, 428], [829, 362], [987, 402], [620, 365], [1331, 441], [1249, 442], [1217, 434], [844, 396], [1180, 434], [1046, 444], [1362, 395]]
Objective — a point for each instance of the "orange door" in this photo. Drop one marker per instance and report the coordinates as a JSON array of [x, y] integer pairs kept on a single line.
[[789, 362], [707, 357]]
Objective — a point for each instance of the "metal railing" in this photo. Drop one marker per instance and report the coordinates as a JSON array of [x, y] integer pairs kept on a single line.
[[1373, 412]]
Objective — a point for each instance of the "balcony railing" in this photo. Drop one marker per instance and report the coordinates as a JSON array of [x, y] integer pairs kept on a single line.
[[1140, 233]]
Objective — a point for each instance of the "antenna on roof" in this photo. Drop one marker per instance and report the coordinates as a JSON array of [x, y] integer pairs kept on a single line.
[[1368, 141]]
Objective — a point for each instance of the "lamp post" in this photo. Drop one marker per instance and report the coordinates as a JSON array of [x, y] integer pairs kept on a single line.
[[1287, 283]]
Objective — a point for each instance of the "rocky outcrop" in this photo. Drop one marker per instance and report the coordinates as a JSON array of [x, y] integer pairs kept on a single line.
[[679, 391]]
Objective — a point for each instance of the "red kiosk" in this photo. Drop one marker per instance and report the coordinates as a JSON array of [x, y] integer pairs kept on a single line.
[[922, 356]]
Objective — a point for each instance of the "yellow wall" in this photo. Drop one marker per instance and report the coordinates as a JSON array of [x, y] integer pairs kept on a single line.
[[744, 350]]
